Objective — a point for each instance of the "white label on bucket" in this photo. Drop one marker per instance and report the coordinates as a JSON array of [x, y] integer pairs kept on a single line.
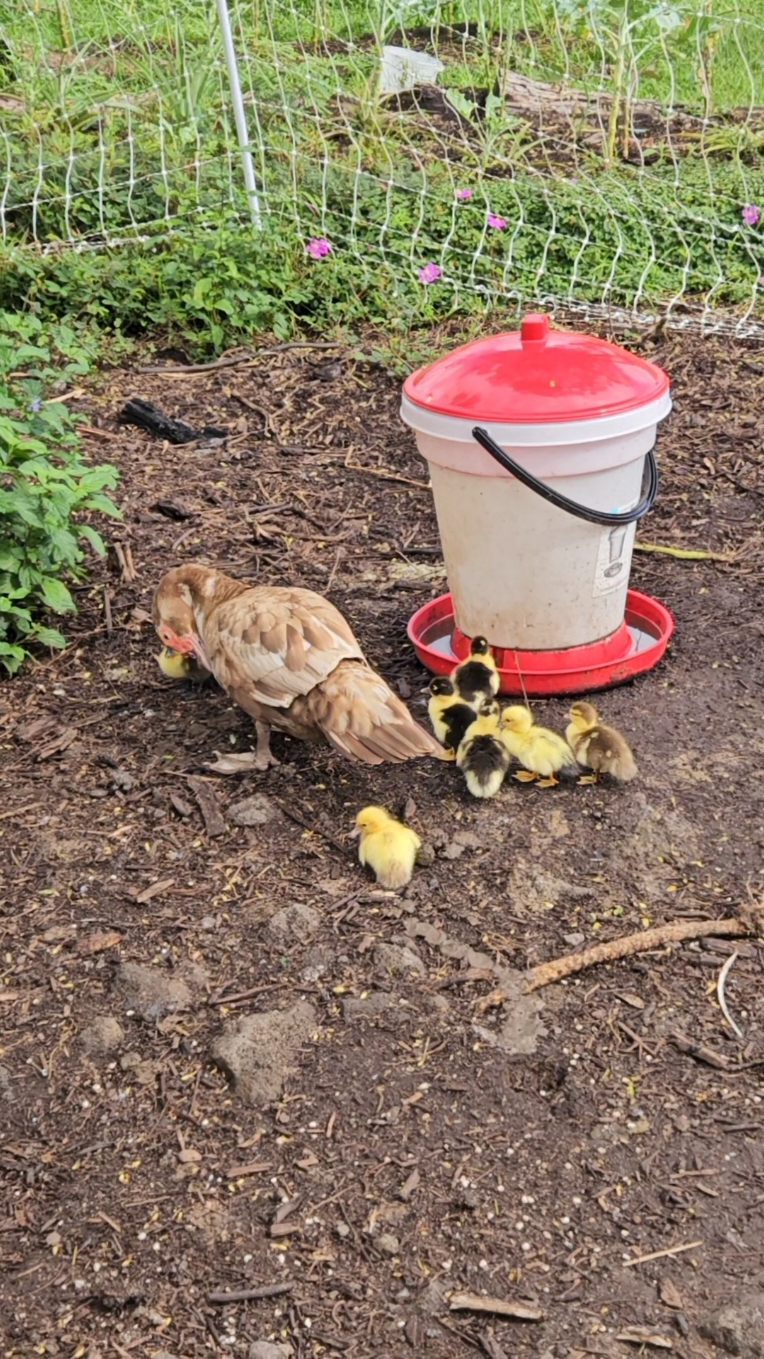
[[613, 560]]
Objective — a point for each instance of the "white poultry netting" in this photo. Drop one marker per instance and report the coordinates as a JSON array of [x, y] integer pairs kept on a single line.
[[606, 154]]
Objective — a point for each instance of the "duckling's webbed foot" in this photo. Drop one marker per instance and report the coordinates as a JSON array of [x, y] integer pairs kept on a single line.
[[525, 776]]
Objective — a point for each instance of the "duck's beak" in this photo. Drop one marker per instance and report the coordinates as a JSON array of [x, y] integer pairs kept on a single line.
[[354, 833]]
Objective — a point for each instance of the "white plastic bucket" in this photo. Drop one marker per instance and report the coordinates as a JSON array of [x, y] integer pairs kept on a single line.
[[522, 572]]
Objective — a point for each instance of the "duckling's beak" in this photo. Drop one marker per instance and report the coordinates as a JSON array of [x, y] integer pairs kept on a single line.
[[354, 833]]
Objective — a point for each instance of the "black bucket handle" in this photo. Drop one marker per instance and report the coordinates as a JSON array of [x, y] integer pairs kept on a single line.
[[561, 502]]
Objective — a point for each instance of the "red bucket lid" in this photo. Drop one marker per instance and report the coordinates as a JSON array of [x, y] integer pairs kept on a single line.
[[536, 374]]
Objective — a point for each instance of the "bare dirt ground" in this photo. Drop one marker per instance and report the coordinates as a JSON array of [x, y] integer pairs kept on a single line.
[[390, 1139]]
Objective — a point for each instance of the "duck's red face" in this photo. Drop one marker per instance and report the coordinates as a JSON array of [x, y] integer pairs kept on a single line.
[[185, 645], [175, 622]]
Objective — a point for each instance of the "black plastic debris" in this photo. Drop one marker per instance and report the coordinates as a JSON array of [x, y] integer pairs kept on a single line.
[[147, 416]]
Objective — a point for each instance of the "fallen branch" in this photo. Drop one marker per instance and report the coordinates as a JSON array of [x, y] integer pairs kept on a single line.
[[184, 369], [672, 933]]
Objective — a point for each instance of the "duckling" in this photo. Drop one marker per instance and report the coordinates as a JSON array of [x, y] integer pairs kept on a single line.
[[387, 846], [450, 716], [482, 755], [539, 750], [477, 677], [179, 667], [597, 747]]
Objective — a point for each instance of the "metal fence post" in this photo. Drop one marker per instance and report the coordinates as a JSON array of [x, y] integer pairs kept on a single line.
[[239, 112]]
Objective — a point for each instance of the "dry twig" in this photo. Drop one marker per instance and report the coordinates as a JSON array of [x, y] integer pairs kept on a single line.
[[672, 933]]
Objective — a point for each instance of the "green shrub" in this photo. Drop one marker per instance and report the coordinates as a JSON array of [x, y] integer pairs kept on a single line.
[[46, 486]]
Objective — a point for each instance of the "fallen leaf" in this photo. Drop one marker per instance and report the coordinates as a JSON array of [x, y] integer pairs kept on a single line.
[[155, 890], [669, 1293], [98, 942], [503, 1307], [642, 1335]]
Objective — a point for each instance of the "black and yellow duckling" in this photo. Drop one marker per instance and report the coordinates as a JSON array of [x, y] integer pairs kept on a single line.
[[541, 752], [175, 665], [599, 747], [450, 716], [482, 755], [477, 678]]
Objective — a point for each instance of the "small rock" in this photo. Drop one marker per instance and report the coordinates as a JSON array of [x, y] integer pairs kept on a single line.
[[738, 1327], [152, 991], [576, 939], [293, 924], [425, 856], [258, 1051], [267, 1349], [252, 811], [454, 851], [388, 1244], [318, 961], [400, 962], [368, 1008], [468, 839], [122, 780], [103, 1035], [342, 1230]]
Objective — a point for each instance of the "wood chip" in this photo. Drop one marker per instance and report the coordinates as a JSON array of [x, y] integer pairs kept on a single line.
[[669, 1294], [502, 1307], [642, 1335], [286, 1209], [407, 1189], [208, 806], [253, 1168], [491, 1346], [98, 942], [285, 1229], [183, 808], [155, 890]]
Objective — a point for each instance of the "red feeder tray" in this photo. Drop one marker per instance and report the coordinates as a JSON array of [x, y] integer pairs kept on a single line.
[[635, 647]]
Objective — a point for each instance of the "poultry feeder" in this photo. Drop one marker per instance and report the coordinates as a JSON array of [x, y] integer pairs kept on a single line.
[[540, 445]]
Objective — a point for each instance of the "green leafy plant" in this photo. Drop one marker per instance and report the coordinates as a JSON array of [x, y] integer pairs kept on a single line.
[[46, 487]]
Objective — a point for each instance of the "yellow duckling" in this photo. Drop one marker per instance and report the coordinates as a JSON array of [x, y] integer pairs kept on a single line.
[[541, 752], [450, 716], [176, 666], [387, 846], [482, 755], [477, 677], [598, 747]]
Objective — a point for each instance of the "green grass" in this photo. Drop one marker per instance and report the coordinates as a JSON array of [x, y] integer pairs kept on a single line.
[[116, 127]]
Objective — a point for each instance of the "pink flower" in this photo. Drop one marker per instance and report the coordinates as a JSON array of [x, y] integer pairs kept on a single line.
[[750, 214], [498, 223], [317, 247], [429, 273], [464, 194], [760, 280]]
